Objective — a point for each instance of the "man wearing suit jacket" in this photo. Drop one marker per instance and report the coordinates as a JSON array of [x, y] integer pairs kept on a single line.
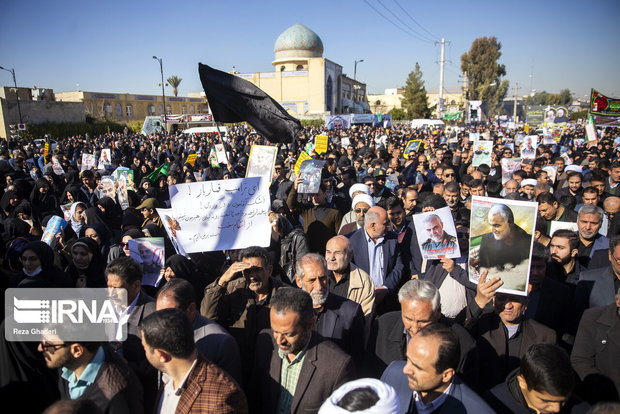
[[338, 319], [377, 252], [421, 306], [295, 369], [212, 341], [596, 352], [430, 372], [125, 272], [597, 287], [191, 384]]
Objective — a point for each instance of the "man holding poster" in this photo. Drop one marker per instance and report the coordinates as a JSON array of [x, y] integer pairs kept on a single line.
[[498, 245]]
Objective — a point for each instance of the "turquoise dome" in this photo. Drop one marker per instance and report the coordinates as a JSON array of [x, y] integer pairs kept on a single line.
[[298, 41]]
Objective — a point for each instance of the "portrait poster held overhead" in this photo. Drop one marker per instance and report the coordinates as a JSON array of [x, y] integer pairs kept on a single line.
[[261, 162], [501, 240], [107, 187], [562, 225], [150, 253], [171, 225], [528, 147], [437, 234], [509, 166], [482, 153], [88, 162], [221, 215], [310, 171], [412, 146], [105, 159]]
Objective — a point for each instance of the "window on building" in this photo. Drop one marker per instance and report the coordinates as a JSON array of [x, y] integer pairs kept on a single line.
[[329, 91], [300, 67], [168, 110], [184, 109], [107, 108], [191, 109], [129, 110], [118, 110], [160, 109], [151, 109]]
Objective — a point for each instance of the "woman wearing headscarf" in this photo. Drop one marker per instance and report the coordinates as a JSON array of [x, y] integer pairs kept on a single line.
[[10, 199], [72, 194], [122, 249], [43, 200], [99, 233], [38, 268], [17, 234], [112, 215], [183, 268], [86, 268], [78, 219]]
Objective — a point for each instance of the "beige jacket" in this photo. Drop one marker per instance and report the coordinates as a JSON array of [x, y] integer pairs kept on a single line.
[[361, 289]]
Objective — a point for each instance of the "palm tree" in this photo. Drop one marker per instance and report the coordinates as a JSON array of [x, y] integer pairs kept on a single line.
[[174, 81]]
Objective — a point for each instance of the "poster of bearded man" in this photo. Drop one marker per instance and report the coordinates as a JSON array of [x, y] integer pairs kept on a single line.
[[501, 240]]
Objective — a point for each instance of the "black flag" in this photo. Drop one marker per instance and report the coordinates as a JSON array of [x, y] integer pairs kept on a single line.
[[233, 99]]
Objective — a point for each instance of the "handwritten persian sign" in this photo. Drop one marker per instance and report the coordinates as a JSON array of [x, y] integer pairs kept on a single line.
[[221, 215]]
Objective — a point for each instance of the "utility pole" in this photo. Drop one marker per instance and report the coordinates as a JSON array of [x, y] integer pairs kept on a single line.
[[442, 61], [514, 113]]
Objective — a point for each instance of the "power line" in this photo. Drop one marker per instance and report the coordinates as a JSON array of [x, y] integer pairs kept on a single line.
[[403, 22], [394, 24], [415, 21]]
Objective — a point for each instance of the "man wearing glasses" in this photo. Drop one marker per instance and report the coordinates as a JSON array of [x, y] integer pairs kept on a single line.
[[92, 371]]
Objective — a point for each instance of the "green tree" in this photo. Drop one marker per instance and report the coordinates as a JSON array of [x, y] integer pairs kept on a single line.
[[545, 98], [484, 73], [174, 81], [415, 99], [566, 98], [398, 114]]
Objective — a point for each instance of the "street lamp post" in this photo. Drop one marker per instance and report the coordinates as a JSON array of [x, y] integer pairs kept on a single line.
[[163, 93], [19, 109], [355, 68]]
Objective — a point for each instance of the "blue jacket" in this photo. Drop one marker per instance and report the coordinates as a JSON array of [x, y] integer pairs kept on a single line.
[[461, 399]]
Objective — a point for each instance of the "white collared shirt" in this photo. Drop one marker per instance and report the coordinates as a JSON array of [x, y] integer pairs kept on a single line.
[[170, 396]]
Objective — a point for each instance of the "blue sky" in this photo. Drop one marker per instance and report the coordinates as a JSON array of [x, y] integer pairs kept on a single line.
[[108, 46]]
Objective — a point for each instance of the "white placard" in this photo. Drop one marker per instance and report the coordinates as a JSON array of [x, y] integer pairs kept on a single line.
[[562, 225], [88, 162], [221, 215]]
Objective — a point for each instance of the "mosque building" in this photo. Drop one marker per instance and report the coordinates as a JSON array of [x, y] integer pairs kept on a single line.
[[304, 82]]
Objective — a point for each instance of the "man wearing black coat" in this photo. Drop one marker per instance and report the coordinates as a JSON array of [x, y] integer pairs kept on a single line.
[[338, 319], [596, 352], [390, 333]]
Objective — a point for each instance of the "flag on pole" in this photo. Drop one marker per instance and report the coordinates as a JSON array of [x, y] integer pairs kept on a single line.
[[233, 99], [162, 169]]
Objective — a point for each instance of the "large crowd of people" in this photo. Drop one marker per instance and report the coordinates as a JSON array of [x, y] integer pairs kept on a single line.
[[340, 313]]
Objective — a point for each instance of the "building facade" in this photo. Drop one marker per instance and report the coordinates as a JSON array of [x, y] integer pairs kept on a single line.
[[35, 106], [125, 107], [304, 82], [392, 98]]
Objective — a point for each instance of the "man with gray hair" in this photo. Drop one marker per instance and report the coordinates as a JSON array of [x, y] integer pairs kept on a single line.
[[420, 303], [506, 243], [592, 245], [337, 318], [346, 279]]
